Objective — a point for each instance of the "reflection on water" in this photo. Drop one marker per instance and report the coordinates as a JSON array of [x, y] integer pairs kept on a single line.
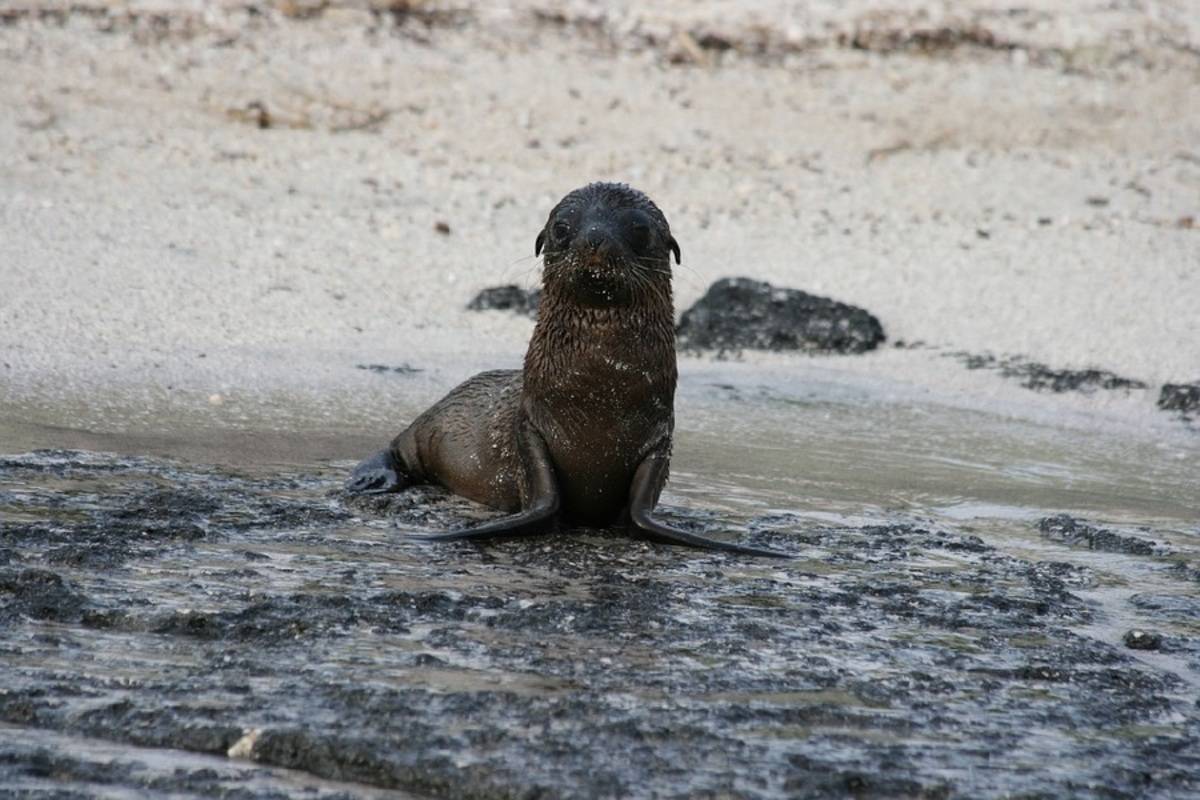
[[863, 452]]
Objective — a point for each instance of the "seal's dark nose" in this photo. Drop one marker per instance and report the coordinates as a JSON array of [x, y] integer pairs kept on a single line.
[[595, 237], [594, 242]]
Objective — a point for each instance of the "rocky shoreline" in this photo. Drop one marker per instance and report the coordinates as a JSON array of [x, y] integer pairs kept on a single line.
[[269, 620]]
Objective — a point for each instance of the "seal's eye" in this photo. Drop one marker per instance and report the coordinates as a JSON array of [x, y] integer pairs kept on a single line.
[[639, 237], [561, 231]]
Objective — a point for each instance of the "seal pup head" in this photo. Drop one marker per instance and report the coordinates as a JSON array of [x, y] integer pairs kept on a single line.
[[607, 244]]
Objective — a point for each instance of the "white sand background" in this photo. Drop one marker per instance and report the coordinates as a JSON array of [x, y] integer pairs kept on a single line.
[[1021, 185]]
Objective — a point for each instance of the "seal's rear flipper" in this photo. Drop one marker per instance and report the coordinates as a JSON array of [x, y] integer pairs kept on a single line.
[[539, 497], [647, 483], [379, 474]]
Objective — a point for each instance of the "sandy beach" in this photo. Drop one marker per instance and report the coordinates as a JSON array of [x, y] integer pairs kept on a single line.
[[1024, 184]]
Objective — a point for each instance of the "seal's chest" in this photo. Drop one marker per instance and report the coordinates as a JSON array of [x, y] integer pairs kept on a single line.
[[604, 432], [593, 483]]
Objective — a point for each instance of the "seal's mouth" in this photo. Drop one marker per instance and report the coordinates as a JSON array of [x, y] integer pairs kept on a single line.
[[597, 279], [601, 263], [599, 268], [600, 274]]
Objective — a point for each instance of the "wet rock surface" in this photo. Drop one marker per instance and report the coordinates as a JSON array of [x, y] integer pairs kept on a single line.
[[1143, 640], [1040, 377], [202, 610], [1065, 528], [745, 314]]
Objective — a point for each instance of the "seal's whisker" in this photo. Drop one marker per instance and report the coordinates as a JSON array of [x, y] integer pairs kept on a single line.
[[526, 276], [654, 264]]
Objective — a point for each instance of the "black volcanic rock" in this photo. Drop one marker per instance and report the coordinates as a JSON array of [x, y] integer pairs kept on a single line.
[[1143, 640], [154, 606], [740, 313], [1182, 397], [509, 297], [1039, 377], [1065, 528]]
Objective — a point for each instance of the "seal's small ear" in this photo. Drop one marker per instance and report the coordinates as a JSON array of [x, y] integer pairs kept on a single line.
[[674, 245], [541, 240]]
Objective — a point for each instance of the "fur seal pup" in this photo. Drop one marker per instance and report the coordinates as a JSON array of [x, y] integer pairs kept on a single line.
[[583, 433]]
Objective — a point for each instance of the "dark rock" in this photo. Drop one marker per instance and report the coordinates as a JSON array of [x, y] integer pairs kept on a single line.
[[1039, 377], [1065, 528], [740, 313], [402, 369], [87, 555], [507, 298], [892, 660], [45, 764], [39, 594], [41, 764], [1143, 640], [169, 504], [1185, 571], [1182, 397], [160, 726], [286, 619], [1188, 646], [1177, 606]]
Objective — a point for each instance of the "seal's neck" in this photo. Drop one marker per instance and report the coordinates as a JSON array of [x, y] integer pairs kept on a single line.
[[576, 345]]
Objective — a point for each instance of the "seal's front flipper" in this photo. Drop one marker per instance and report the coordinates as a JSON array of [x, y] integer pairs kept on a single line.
[[377, 475], [658, 532], [539, 497], [647, 484]]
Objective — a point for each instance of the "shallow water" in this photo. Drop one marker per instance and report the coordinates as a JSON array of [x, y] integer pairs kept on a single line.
[[928, 639]]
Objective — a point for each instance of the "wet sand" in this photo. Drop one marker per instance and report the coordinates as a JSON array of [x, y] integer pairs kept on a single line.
[[210, 220]]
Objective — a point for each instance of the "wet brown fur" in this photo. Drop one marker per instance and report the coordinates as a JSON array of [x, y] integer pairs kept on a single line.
[[598, 382]]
